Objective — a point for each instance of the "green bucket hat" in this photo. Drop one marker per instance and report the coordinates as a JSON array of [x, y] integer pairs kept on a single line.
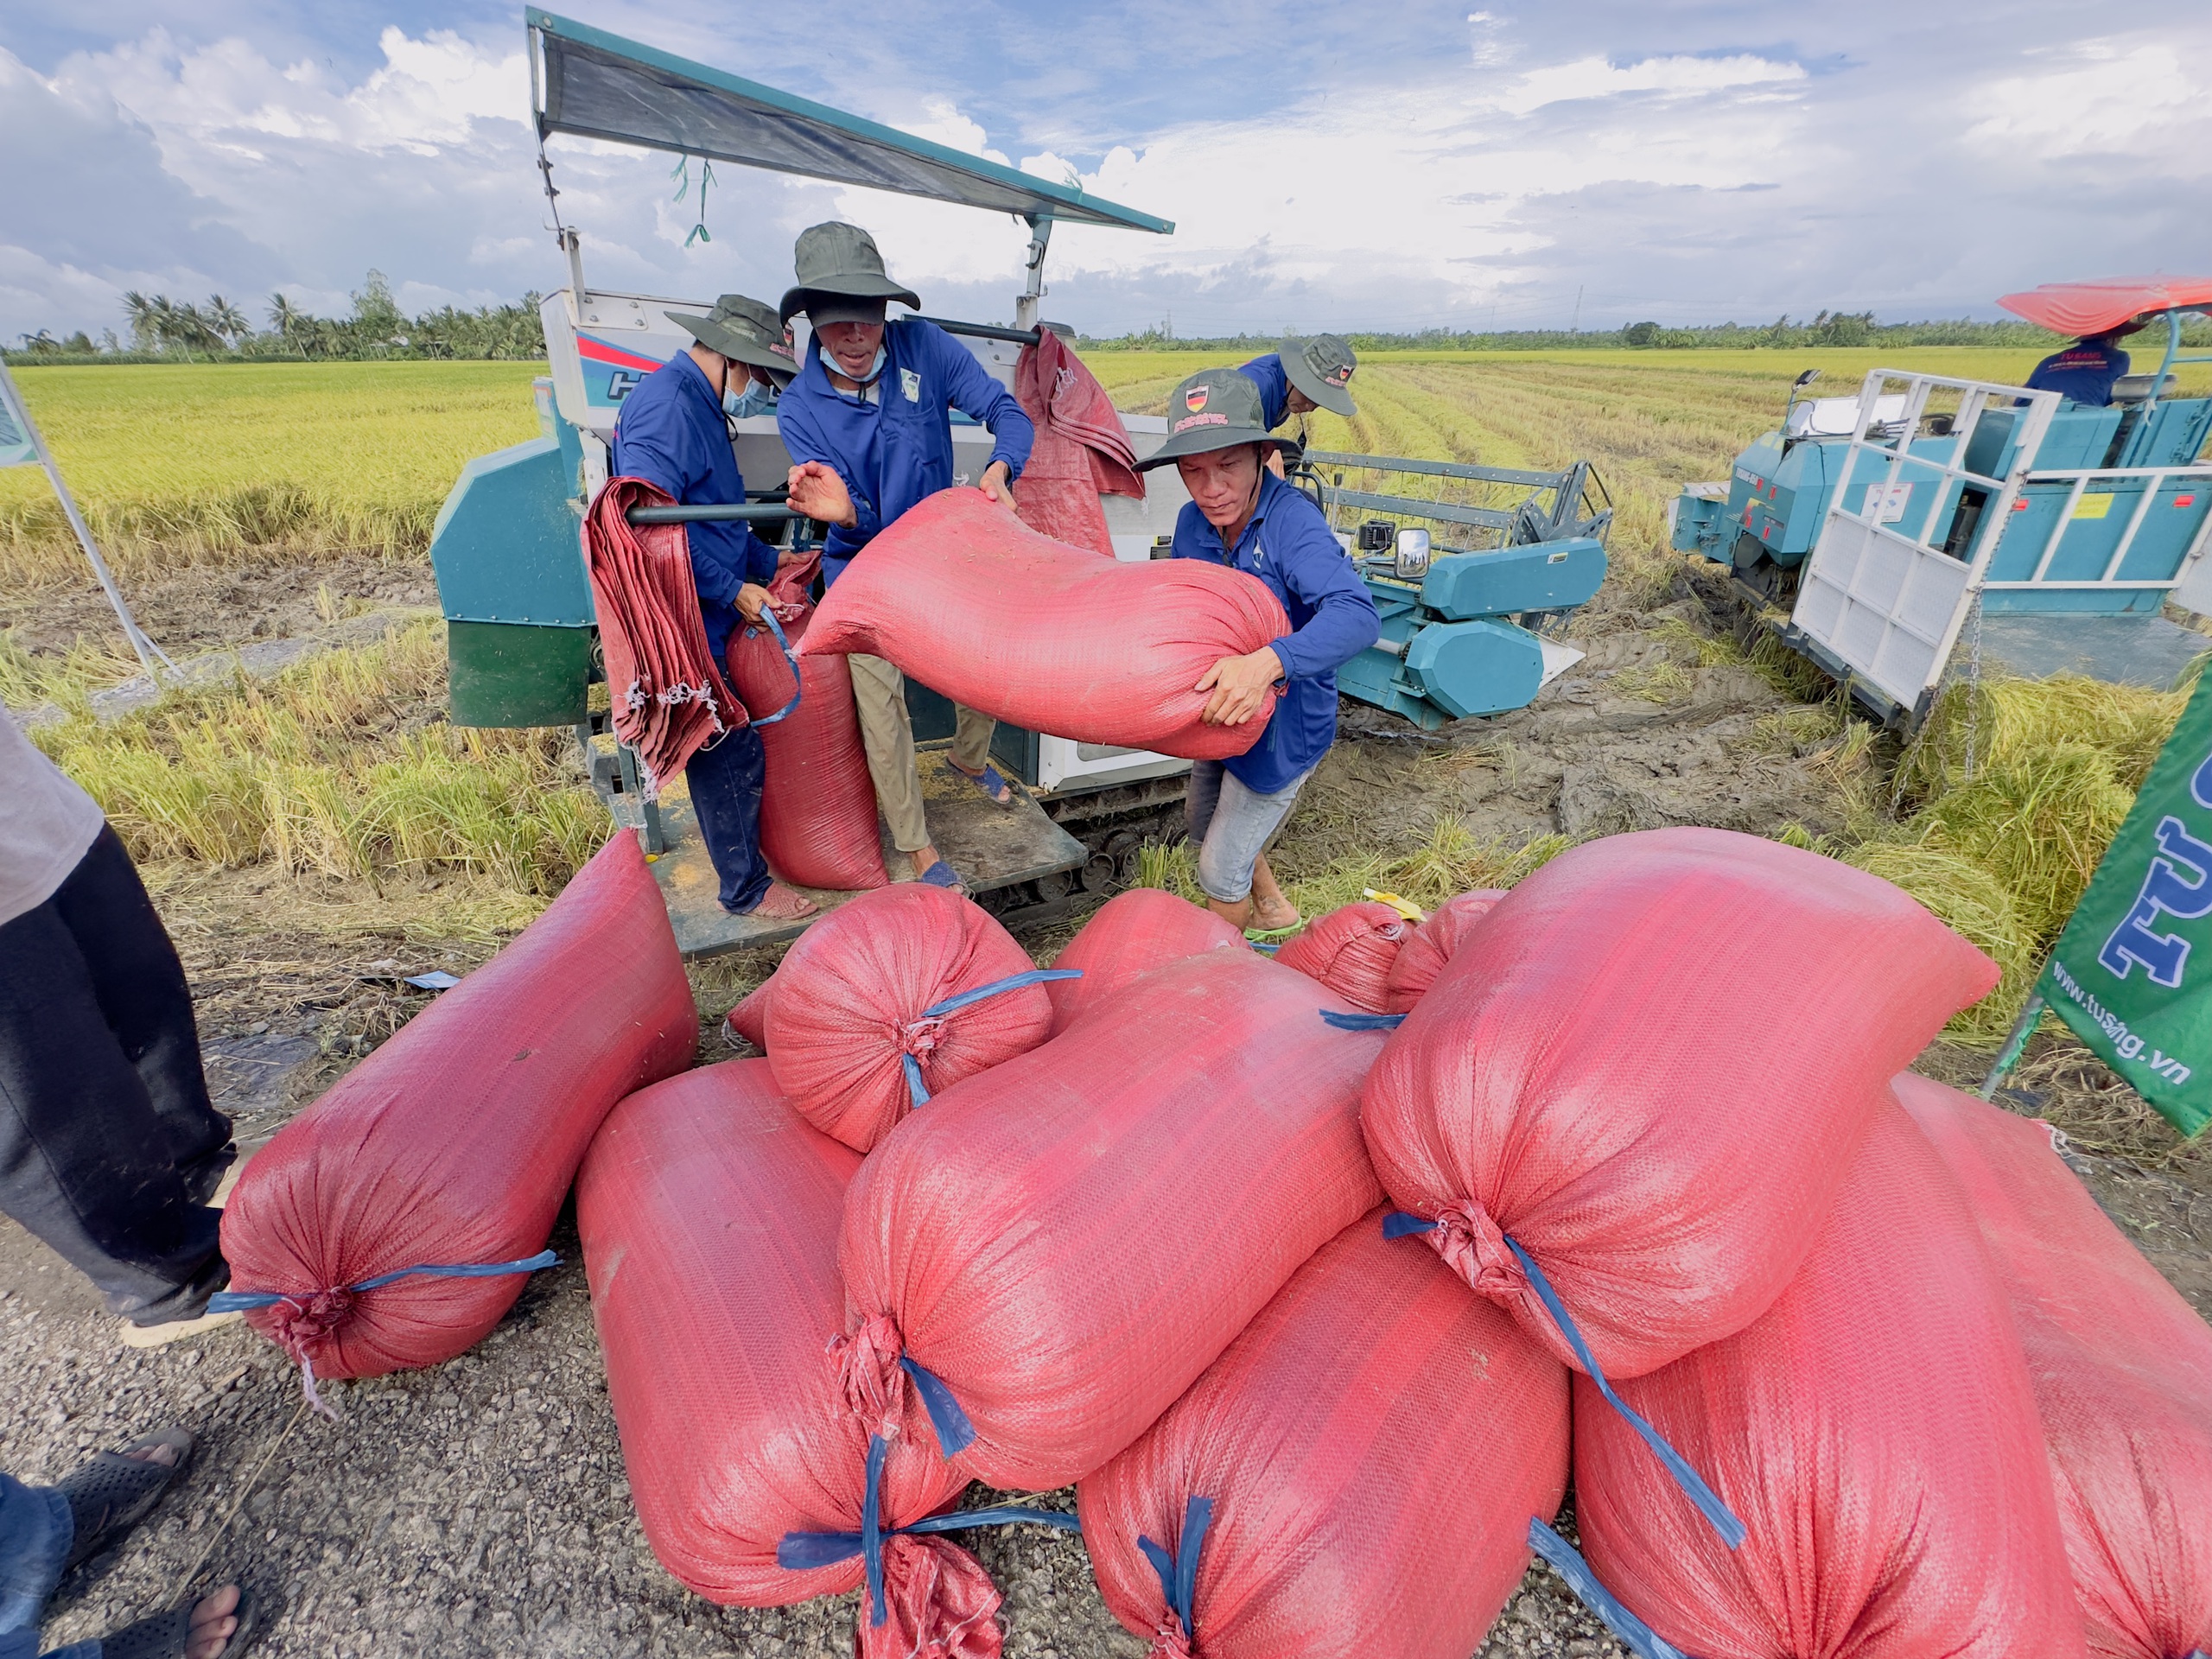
[[1215, 408], [1321, 368], [743, 329], [841, 260]]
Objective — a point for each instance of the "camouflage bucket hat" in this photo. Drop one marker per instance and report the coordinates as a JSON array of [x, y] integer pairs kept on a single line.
[[745, 330], [1321, 368], [844, 260], [1215, 408]]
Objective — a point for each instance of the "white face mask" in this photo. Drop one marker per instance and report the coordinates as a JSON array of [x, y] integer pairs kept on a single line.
[[875, 372], [755, 399]]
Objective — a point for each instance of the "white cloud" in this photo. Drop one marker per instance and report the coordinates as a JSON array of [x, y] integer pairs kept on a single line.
[[1678, 76], [2099, 99]]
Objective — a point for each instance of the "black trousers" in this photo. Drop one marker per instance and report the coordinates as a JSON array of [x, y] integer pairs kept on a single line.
[[725, 781], [109, 1149]]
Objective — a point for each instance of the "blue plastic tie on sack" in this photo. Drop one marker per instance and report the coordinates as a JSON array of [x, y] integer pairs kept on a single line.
[[917, 1091], [1178, 1574], [1732, 1531], [955, 1433], [799, 686], [1011, 982], [798, 1551], [1362, 1022], [243, 1302], [1634, 1635]]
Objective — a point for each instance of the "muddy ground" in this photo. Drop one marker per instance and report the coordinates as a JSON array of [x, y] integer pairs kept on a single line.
[[480, 1508]]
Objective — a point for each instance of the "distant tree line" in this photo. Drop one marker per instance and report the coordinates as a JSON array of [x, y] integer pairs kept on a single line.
[[217, 329]]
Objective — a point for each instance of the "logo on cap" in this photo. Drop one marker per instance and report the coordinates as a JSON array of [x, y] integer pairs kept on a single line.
[[1338, 377], [785, 349], [1195, 399]]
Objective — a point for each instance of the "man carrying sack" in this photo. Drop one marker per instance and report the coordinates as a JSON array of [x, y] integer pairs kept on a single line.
[[674, 433], [869, 424]]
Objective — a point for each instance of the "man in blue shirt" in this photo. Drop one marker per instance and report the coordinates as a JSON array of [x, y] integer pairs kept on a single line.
[[1242, 515], [869, 426], [1301, 376], [2084, 371], [674, 432]]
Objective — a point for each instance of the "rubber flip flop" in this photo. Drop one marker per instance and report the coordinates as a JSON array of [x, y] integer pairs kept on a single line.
[[115, 1491], [168, 1635], [942, 875], [994, 788]]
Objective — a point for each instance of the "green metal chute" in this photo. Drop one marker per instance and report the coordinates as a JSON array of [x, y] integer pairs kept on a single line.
[[594, 85]]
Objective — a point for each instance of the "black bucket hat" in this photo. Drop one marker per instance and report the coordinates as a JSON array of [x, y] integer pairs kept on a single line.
[[840, 260], [745, 330], [1215, 408], [1321, 368]]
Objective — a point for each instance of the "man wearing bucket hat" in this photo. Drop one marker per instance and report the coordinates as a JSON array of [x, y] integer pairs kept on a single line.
[[1303, 375], [1242, 515], [869, 429], [674, 432]]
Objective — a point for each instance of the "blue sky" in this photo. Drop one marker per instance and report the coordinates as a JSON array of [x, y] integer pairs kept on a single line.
[[1343, 165]]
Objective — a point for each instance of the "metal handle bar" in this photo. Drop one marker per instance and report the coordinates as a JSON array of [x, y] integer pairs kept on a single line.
[[713, 513]]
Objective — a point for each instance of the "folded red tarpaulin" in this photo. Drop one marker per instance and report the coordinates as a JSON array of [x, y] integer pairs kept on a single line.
[[1083, 450], [669, 697]]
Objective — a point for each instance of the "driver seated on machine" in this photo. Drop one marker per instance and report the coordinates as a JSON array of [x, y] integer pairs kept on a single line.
[[2084, 371], [1300, 376], [1242, 515]]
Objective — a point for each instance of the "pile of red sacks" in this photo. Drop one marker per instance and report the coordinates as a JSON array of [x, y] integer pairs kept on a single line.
[[1318, 1286]]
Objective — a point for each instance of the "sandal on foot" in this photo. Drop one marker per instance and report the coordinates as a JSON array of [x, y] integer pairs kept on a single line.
[[995, 789], [942, 875], [168, 1635], [783, 904], [115, 1491]]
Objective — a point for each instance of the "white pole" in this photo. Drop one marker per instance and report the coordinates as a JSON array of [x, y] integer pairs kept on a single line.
[[149, 654]]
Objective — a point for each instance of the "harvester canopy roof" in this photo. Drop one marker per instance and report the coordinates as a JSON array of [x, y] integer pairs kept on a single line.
[[2092, 307], [594, 85]]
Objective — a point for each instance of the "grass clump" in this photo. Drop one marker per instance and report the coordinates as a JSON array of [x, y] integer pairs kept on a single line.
[[341, 766]]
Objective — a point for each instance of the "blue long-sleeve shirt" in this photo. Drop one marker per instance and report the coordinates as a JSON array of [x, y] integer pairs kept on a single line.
[[671, 433], [1267, 373], [1288, 545], [893, 449]]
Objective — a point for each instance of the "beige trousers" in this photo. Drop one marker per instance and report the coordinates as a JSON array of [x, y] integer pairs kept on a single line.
[[887, 734]]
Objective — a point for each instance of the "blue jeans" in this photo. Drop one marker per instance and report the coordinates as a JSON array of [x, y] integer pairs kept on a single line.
[[1232, 826], [35, 1533], [725, 781]]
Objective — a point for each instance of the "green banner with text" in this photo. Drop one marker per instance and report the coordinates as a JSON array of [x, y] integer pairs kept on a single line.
[[2132, 974]]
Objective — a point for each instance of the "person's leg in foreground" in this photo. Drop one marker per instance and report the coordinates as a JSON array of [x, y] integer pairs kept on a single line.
[[887, 734], [971, 754], [1232, 827], [109, 1149], [46, 1530]]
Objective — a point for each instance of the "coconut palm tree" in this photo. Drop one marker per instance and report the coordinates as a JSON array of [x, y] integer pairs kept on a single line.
[[144, 323], [227, 322], [284, 318]]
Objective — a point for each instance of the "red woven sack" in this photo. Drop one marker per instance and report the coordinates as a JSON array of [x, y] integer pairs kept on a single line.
[[1876, 1430], [1132, 933], [453, 1145], [2123, 1378], [850, 1028], [1423, 955], [1354, 1477], [1077, 645], [749, 1019], [669, 697], [1651, 1077], [818, 813], [709, 1212], [1351, 950], [1068, 1240]]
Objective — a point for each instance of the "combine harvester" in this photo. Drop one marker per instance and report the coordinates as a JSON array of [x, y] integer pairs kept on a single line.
[[2043, 534], [522, 643]]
